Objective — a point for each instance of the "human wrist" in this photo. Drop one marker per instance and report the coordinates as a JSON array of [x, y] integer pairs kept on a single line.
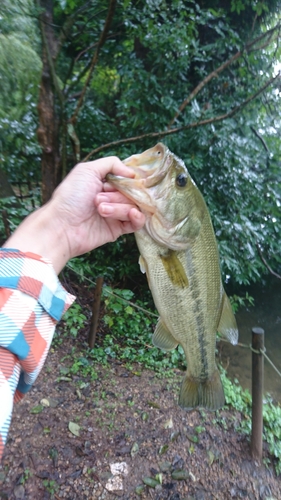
[[41, 234]]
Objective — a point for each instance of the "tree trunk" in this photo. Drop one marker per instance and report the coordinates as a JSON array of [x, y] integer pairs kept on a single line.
[[48, 130]]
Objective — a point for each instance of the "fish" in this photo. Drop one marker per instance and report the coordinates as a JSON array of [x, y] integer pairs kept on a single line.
[[179, 254]]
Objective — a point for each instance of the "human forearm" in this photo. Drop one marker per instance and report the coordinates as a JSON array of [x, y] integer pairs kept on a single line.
[[40, 234]]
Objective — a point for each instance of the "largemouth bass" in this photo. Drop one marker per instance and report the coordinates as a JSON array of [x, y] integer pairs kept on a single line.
[[179, 254]]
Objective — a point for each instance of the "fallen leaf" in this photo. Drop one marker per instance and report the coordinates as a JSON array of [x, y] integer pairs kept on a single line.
[[149, 481], [134, 449], [163, 449], [45, 402], [36, 409], [169, 424], [180, 475], [74, 428]]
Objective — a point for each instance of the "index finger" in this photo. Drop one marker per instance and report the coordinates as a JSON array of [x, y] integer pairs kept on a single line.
[[113, 165]]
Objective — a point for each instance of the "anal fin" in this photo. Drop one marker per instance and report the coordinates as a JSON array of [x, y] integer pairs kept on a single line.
[[196, 393], [227, 325], [162, 338]]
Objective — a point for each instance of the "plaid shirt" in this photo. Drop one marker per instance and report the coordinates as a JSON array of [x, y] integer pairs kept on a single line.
[[32, 301]]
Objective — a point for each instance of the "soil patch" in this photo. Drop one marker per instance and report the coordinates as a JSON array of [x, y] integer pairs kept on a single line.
[[134, 441], [122, 435]]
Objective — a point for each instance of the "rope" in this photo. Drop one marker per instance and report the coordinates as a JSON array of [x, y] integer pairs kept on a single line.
[[239, 344], [272, 364], [261, 351], [115, 294]]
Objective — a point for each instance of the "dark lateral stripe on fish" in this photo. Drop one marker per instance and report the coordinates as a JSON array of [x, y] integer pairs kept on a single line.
[[195, 291]]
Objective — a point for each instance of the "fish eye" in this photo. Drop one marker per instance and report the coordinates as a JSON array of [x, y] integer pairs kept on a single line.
[[181, 180]]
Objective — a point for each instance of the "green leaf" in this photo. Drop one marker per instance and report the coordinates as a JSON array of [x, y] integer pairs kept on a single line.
[[74, 428]]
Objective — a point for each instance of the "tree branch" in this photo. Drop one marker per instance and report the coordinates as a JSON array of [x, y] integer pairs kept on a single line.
[[260, 138], [202, 84], [266, 264], [221, 68], [67, 26], [101, 41], [185, 127]]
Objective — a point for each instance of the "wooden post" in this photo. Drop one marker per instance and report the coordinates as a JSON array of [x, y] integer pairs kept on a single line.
[[257, 393], [95, 312]]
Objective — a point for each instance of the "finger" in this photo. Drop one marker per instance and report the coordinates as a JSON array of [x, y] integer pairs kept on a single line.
[[137, 219], [132, 227], [111, 197], [113, 165], [121, 211]]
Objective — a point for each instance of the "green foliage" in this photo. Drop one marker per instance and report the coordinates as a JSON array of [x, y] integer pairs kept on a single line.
[[83, 366], [155, 54], [237, 301], [241, 400], [51, 486], [115, 262], [20, 68], [74, 319], [16, 212], [130, 334]]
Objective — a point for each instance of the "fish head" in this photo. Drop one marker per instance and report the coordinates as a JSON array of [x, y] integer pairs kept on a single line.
[[165, 192]]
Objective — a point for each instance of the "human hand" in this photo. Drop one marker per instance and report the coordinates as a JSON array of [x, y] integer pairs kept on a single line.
[[83, 213], [92, 212]]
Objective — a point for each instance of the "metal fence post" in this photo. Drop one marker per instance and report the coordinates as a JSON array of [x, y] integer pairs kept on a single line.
[[257, 392]]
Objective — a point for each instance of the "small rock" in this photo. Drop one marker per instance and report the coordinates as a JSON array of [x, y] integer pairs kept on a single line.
[[119, 468], [114, 483], [178, 462], [265, 492], [165, 466], [2, 475], [200, 495], [19, 491]]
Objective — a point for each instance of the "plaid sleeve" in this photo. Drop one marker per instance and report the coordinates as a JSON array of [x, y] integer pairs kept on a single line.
[[32, 301]]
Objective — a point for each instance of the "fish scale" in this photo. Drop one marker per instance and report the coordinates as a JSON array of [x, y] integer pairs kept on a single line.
[[178, 252]]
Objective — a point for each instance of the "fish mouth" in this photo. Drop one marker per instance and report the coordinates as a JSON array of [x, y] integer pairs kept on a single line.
[[147, 164], [150, 168]]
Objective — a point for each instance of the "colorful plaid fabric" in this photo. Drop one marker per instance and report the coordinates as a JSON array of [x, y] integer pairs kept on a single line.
[[32, 300]]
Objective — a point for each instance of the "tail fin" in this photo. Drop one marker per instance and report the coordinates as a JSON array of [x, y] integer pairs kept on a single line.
[[205, 394]]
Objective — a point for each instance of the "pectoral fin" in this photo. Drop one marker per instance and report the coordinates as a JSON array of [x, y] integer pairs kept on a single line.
[[227, 325], [162, 338], [142, 264], [144, 268], [174, 269]]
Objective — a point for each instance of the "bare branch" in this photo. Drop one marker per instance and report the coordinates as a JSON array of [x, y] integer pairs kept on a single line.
[[202, 84], [260, 138], [266, 264], [201, 123], [92, 46], [248, 47], [95, 58]]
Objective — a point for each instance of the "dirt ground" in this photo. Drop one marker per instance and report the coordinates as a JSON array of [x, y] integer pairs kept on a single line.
[[134, 441]]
